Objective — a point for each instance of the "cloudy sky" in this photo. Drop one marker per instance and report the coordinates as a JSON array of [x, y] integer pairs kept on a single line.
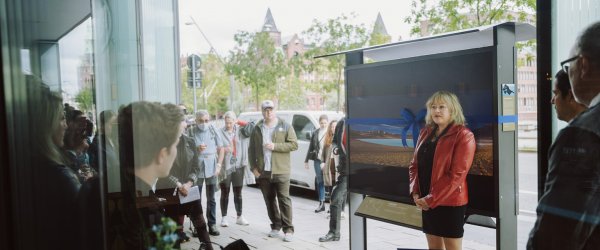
[[220, 20]]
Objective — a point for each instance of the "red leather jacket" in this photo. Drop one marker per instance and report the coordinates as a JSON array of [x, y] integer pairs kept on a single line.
[[452, 160]]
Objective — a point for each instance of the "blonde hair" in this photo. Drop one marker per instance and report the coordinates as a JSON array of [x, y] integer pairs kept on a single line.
[[456, 113], [46, 109]]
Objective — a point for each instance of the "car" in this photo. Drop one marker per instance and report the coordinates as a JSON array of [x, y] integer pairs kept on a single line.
[[304, 124]]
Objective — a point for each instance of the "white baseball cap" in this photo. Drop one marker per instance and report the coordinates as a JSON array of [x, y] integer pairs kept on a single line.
[[267, 104]]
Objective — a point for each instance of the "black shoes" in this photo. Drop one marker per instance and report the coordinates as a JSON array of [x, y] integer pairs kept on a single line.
[[329, 237], [183, 238], [320, 208], [212, 230]]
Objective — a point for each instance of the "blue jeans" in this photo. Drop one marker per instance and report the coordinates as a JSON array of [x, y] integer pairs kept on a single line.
[[320, 184]]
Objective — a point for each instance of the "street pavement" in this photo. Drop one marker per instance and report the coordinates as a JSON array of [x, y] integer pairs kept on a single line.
[[309, 226]]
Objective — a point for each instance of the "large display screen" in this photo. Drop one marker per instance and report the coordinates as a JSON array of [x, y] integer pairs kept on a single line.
[[386, 110]]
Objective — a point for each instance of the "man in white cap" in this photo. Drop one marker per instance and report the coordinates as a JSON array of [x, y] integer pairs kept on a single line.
[[269, 149]]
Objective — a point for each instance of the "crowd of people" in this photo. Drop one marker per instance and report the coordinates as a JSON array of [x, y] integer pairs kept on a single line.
[[145, 157]]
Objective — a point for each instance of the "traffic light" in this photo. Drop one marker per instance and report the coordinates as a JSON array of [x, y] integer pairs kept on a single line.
[[194, 76]]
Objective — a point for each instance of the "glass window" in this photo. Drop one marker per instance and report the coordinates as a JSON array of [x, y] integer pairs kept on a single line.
[[303, 127]]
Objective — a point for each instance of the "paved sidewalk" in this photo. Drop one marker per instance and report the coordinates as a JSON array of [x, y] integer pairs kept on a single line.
[[310, 226]]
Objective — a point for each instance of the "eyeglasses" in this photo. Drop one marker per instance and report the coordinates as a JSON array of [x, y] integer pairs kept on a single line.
[[202, 121], [567, 63]]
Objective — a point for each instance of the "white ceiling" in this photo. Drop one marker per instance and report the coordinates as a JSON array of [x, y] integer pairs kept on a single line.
[[52, 19]]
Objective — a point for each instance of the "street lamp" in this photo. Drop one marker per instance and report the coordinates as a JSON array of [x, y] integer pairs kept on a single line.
[[231, 78]]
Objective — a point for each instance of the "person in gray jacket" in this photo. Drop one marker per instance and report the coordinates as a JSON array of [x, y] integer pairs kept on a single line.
[[210, 147], [235, 163]]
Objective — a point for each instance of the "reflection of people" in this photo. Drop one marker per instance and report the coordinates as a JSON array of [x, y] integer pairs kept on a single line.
[[340, 190], [564, 101], [315, 154], [209, 145], [271, 142], [438, 171], [236, 160], [568, 213], [148, 138], [104, 150], [57, 185], [181, 178]]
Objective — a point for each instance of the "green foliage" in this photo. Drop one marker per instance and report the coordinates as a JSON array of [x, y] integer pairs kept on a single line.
[[451, 15], [85, 99], [256, 62], [215, 78], [165, 234], [378, 38], [333, 35]]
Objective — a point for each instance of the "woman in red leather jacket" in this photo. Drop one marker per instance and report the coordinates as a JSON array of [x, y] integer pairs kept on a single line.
[[438, 171]]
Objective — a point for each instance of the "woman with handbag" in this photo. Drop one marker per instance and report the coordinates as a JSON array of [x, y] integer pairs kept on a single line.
[[315, 154]]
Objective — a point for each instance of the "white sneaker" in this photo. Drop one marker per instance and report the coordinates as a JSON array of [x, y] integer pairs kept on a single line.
[[343, 215], [242, 221], [224, 222], [274, 233], [288, 237]]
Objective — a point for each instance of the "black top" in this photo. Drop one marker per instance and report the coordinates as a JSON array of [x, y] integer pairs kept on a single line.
[[425, 160]]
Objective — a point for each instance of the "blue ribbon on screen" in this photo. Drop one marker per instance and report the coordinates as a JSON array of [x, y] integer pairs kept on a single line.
[[411, 123]]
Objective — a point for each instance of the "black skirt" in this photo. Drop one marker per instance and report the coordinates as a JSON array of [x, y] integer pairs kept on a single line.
[[445, 221]]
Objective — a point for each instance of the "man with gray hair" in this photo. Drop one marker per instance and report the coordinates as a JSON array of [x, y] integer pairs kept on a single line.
[[569, 210], [210, 148]]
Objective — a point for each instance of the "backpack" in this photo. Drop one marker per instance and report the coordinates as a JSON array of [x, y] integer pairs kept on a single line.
[[247, 129]]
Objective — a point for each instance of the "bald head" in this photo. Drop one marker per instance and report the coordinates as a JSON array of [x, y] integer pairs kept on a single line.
[[584, 70]]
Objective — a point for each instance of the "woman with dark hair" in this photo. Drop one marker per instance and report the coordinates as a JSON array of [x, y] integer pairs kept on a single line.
[[443, 156], [315, 154]]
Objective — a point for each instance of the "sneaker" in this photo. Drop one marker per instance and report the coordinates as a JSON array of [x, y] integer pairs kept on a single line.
[[274, 233], [212, 230], [288, 237], [224, 222], [343, 215], [242, 221]]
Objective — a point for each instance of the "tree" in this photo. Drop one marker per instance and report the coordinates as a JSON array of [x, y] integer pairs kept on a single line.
[[452, 15], [333, 35], [378, 38], [85, 99], [214, 78], [256, 62]]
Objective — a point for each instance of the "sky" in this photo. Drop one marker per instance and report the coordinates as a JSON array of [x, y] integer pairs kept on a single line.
[[72, 47], [220, 20]]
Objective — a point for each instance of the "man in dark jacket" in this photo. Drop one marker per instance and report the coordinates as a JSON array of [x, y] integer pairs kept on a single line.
[[182, 178], [569, 210]]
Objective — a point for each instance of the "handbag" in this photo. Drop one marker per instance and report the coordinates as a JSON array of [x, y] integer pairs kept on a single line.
[[312, 155]]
